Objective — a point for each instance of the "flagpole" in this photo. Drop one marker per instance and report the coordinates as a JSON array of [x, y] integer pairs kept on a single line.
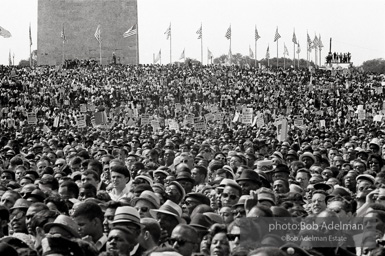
[[294, 50], [170, 45], [298, 59], [137, 41], [63, 53], [30, 44], [153, 58], [284, 61], [277, 53], [100, 51], [202, 44]]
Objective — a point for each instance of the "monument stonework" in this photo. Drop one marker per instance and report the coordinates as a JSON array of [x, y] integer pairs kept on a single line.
[[80, 19]]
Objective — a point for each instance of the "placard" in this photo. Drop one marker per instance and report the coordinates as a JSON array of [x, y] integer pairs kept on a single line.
[[247, 115], [81, 121], [31, 118]]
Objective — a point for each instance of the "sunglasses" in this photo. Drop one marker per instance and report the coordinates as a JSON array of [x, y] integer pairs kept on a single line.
[[142, 209], [232, 197], [232, 237], [181, 242], [240, 212], [17, 216]]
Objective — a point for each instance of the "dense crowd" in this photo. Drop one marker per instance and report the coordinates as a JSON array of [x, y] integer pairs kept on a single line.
[[190, 160]]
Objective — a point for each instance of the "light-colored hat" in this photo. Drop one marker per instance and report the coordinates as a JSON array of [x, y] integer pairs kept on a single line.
[[126, 214], [295, 189], [148, 179], [148, 196], [170, 208], [367, 177], [307, 154], [65, 223]]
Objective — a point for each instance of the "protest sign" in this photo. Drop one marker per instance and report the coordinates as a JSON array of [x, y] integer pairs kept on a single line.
[[31, 118], [247, 115], [199, 124], [145, 120], [81, 121]]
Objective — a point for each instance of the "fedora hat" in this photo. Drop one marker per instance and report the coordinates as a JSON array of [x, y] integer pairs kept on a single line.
[[250, 176], [21, 203], [179, 187], [200, 197], [170, 208], [242, 201], [201, 222], [148, 196], [38, 194], [65, 223], [184, 176], [126, 214]]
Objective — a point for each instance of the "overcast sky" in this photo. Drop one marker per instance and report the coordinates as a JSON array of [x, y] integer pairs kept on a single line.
[[356, 26]]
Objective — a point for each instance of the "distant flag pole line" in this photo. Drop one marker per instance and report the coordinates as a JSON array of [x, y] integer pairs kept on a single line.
[[30, 44], [285, 53], [200, 36], [168, 33], [99, 39], [294, 43], [255, 46], [63, 36], [276, 38], [315, 43], [228, 36], [320, 45], [298, 51]]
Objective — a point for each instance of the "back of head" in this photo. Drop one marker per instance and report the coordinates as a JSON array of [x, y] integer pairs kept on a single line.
[[89, 210]]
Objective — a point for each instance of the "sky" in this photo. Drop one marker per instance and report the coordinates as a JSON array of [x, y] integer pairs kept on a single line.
[[355, 26]]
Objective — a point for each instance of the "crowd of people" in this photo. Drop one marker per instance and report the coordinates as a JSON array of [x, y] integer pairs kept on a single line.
[[338, 58], [167, 160]]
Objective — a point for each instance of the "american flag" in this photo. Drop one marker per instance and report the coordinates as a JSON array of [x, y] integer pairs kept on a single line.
[[268, 53], [277, 35], [251, 53], [309, 42], [285, 51], [209, 54], [199, 32], [298, 49], [132, 31], [228, 33], [168, 32], [5, 33], [182, 56], [158, 57], [294, 38], [320, 45], [30, 35], [315, 42], [256, 34], [97, 35], [63, 35]]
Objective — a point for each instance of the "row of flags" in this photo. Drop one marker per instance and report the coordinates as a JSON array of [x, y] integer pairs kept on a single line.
[[315, 43], [98, 35], [182, 56]]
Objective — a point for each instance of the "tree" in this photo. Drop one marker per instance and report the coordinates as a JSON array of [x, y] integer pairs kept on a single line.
[[25, 63], [374, 66], [239, 59]]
